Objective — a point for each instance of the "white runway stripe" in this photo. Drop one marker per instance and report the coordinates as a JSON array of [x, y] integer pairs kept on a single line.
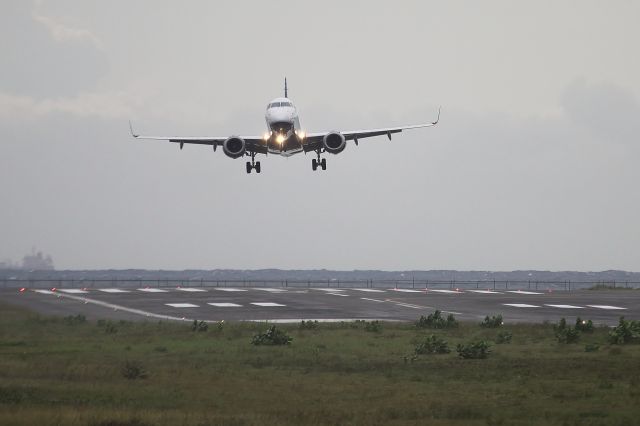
[[271, 290], [485, 291], [329, 289], [230, 289], [406, 290], [338, 294], [408, 305], [73, 291], [372, 300], [446, 291], [369, 290], [153, 290], [565, 306], [113, 290], [606, 307], [520, 305], [182, 305], [191, 289], [266, 304], [523, 292], [44, 291], [225, 305]]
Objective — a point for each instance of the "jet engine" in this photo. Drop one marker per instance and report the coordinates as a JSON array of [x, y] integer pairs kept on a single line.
[[334, 142], [234, 147]]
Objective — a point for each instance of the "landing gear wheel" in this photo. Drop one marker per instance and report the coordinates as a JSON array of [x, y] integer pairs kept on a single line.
[[249, 167], [257, 167], [314, 164], [323, 164]]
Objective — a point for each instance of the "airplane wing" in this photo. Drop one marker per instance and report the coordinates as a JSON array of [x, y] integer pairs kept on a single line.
[[313, 141], [254, 143]]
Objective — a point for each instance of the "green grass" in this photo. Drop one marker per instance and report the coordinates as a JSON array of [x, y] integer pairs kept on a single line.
[[70, 372]]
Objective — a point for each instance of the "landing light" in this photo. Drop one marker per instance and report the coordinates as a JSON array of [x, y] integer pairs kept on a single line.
[[280, 139], [266, 137], [301, 134]]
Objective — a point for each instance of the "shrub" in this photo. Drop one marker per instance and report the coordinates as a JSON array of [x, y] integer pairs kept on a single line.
[[199, 326], [272, 336], [109, 326], [220, 325], [493, 322], [308, 325], [568, 335], [435, 320], [373, 326], [584, 326], [133, 370], [592, 347], [504, 337], [627, 331], [74, 320], [561, 325], [432, 345], [474, 350]]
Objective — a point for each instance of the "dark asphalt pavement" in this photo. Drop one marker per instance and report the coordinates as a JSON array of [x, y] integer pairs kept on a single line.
[[291, 304]]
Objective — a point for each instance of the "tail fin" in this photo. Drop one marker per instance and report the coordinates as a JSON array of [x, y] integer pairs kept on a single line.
[[285, 88]]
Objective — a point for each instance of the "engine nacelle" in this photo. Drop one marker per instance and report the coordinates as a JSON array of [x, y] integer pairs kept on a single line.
[[234, 147], [334, 142]]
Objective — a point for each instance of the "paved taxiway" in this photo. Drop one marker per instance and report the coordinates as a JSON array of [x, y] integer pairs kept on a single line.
[[290, 304]]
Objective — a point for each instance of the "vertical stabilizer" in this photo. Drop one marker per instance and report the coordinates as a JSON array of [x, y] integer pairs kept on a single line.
[[285, 88]]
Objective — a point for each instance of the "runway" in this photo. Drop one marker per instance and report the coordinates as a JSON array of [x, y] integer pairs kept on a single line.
[[326, 304]]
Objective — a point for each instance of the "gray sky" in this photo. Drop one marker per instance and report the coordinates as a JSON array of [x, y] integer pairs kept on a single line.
[[534, 165]]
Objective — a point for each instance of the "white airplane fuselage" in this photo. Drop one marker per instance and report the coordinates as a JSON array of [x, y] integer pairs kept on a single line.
[[284, 136]]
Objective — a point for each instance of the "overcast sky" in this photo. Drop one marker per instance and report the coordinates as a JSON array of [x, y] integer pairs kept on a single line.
[[535, 164]]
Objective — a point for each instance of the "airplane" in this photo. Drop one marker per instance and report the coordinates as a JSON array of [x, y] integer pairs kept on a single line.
[[284, 136]]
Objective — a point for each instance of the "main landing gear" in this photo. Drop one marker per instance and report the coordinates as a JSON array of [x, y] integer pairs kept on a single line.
[[253, 164], [319, 162]]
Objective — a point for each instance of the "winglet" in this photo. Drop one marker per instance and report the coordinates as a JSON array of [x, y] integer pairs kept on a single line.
[[285, 88], [131, 129], [437, 119]]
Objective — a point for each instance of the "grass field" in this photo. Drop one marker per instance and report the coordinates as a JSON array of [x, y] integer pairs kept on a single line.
[[57, 371]]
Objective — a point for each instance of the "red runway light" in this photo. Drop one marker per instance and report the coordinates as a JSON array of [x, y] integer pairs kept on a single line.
[[53, 289], [22, 290]]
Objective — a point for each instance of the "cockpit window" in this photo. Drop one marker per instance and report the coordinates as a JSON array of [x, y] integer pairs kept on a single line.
[[279, 104]]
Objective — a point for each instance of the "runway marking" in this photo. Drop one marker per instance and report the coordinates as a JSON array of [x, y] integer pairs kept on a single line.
[[565, 306], [73, 291], [182, 305], [406, 290], [329, 289], [297, 320], [523, 292], [452, 312], [372, 300], [266, 304], [447, 291], [230, 289], [520, 305], [485, 291], [191, 289], [153, 290], [225, 305], [408, 305], [606, 307], [271, 290], [114, 307], [113, 290], [338, 294], [369, 290]]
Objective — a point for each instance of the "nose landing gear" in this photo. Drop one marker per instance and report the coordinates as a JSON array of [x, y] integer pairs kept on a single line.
[[319, 162], [253, 164]]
